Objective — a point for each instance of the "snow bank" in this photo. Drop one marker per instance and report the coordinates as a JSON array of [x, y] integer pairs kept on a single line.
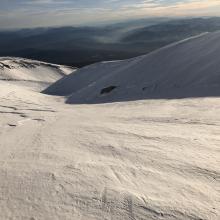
[[189, 68]]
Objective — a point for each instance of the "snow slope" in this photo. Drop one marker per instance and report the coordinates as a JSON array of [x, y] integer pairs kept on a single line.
[[143, 160], [190, 68], [31, 72], [152, 159]]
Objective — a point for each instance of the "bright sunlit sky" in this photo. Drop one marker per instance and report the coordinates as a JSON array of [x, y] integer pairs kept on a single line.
[[35, 13]]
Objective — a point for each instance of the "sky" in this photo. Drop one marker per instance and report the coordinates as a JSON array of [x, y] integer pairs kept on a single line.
[[44, 13]]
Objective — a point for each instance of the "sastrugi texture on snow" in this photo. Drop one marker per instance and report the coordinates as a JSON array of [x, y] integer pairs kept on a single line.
[[148, 159]]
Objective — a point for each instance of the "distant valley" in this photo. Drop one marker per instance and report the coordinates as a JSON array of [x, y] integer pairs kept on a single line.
[[80, 46]]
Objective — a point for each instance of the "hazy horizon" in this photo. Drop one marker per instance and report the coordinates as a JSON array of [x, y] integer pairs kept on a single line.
[[49, 13]]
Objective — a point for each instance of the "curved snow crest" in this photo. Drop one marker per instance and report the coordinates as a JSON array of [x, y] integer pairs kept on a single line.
[[189, 68], [31, 72]]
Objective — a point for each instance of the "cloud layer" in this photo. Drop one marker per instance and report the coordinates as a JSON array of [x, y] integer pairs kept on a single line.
[[32, 13]]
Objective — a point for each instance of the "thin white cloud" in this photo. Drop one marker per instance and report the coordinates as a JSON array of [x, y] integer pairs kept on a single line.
[[32, 13]]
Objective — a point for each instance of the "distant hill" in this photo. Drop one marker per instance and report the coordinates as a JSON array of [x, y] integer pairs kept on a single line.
[[173, 30]]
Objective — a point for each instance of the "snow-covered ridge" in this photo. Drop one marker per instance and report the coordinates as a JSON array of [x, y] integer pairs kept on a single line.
[[26, 70], [189, 68]]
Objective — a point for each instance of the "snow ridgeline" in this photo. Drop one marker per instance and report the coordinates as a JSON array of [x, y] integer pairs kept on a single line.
[[31, 73], [189, 68]]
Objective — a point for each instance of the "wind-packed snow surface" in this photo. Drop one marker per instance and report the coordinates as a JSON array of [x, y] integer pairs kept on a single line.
[[190, 68], [153, 159], [27, 72]]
